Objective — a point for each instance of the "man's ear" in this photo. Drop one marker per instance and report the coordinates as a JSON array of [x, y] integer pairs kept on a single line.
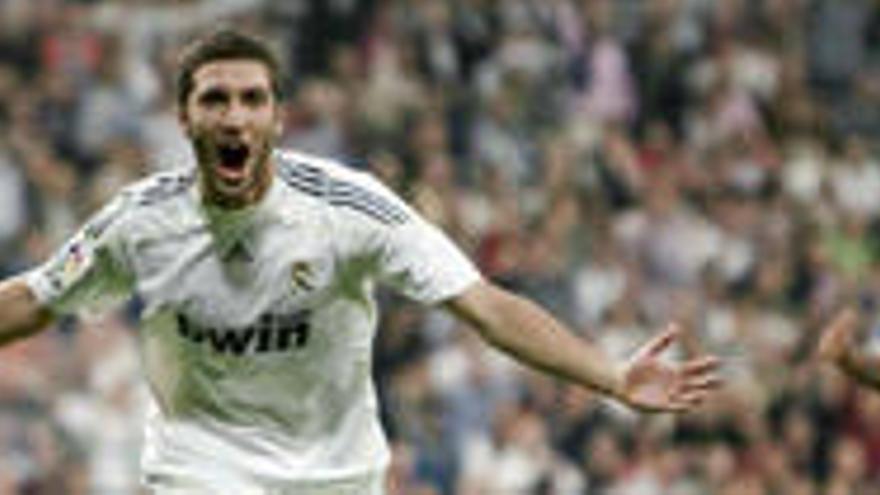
[[183, 119], [278, 127]]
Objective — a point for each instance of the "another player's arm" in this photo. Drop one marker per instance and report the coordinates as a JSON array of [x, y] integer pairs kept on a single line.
[[526, 331], [837, 347], [21, 314], [863, 368]]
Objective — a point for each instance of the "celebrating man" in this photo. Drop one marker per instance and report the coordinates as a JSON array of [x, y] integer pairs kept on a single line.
[[257, 269]]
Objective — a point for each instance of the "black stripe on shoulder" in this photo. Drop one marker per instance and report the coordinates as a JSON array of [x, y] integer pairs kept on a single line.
[[313, 185], [163, 187], [350, 193], [315, 182]]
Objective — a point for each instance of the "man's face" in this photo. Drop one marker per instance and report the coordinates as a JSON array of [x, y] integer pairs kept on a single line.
[[232, 118]]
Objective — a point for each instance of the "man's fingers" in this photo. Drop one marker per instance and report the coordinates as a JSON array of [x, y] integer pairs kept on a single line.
[[837, 334], [692, 391], [659, 343], [703, 383], [687, 400], [700, 366], [681, 402], [844, 322]]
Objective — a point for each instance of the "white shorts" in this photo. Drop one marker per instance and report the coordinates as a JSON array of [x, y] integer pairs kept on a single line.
[[369, 485]]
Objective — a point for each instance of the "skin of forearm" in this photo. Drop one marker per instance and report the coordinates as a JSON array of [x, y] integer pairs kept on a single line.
[[529, 333], [20, 314], [862, 367]]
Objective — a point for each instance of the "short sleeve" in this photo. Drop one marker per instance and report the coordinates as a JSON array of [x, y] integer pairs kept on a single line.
[[377, 236], [89, 272], [420, 261], [405, 251]]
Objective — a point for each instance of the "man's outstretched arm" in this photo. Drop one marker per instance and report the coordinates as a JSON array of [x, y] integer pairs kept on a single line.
[[21, 315], [837, 347], [526, 331]]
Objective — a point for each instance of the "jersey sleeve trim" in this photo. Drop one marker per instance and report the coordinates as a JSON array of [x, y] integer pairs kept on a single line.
[[340, 192], [464, 282], [40, 286], [91, 268]]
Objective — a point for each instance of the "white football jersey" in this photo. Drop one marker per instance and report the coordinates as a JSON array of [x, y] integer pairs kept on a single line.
[[258, 324]]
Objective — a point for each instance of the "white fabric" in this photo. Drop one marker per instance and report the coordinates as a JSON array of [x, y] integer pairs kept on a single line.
[[258, 324]]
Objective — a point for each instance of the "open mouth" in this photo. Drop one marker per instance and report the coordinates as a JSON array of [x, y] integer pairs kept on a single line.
[[232, 161]]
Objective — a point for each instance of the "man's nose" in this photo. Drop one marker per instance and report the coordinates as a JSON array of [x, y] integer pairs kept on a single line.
[[234, 118]]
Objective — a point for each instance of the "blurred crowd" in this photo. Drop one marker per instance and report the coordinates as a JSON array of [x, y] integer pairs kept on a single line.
[[623, 162]]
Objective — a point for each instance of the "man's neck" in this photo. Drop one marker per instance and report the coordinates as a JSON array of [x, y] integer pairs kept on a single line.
[[252, 197]]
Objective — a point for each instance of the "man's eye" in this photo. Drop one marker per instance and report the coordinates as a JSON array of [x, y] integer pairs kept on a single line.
[[254, 97], [212, 98]]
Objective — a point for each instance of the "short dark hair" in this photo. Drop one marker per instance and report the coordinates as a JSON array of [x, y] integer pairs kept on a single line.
[[224, 44]]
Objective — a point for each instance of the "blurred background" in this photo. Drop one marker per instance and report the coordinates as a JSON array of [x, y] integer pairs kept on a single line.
[[624, 162]]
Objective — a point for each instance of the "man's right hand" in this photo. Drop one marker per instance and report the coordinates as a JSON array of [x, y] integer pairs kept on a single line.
[[836, 341], [20, 314]]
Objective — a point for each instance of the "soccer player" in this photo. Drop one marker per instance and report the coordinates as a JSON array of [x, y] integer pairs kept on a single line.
[[257, 270], [837, 347]]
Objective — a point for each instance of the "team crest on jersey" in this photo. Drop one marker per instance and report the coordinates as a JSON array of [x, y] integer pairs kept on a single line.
[[76, 259], [73, 262], [302, 277]]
